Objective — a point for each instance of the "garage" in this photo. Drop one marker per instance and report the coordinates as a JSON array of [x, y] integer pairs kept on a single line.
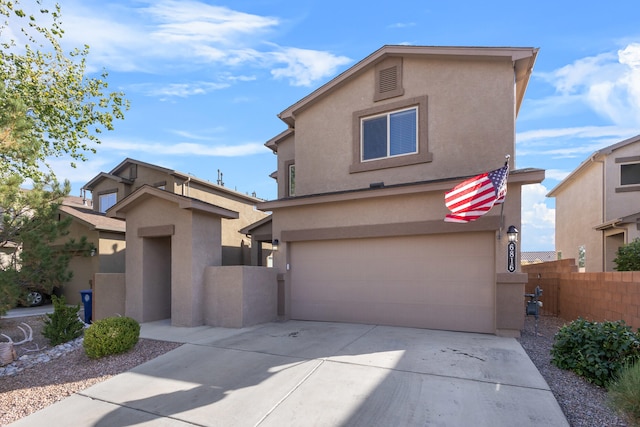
[[439, 281]]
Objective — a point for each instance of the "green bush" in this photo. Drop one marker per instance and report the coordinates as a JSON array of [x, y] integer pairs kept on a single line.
[[63, 324], [624, 393], [628, 257], [595, 350], [112, 335]]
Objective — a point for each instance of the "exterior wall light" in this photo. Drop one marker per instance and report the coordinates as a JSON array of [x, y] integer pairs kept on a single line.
[[93, 252], [512, 235], [275, 244]]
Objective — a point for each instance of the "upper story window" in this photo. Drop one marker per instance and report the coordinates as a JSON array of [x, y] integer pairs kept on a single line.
[[389, 134], [292, 179], [630, 174], [106, 200], [290, 183]]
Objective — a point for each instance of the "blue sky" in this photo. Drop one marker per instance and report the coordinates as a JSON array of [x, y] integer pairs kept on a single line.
[[206, 79]]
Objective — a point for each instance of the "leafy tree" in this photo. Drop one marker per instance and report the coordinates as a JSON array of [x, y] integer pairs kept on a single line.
[[49, 107], [628, 257]]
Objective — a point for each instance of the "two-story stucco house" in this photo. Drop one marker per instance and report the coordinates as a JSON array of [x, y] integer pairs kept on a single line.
[[363, 167], [598, 206]]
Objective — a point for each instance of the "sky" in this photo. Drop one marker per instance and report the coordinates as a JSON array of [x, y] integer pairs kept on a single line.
[[206, 79]]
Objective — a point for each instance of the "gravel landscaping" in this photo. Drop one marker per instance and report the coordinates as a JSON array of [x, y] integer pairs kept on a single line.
[[47, 375]]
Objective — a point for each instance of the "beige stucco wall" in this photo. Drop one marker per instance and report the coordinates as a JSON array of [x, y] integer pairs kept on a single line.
[[239, 296], [470, 125], [194, 245], [108, 295], [111, 252], [578, 210]]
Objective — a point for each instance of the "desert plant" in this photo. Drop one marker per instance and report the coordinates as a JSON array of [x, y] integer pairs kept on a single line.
[[63, 324], [595, 350], [112, 335], [628, 257], [624, 393]]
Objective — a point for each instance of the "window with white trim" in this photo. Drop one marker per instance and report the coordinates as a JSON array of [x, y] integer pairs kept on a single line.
[[630, 174], [106, 200], [390, 134]]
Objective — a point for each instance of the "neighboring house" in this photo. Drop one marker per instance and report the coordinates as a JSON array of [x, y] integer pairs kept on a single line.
[[359, 219], [111, 188], [535, 257], [175, 228], [107, 237], [598, 206]]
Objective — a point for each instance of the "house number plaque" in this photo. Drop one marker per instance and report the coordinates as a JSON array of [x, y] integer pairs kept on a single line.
[[511, 257]]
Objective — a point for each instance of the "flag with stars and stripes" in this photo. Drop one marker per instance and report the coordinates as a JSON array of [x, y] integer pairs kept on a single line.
[[474, 197]]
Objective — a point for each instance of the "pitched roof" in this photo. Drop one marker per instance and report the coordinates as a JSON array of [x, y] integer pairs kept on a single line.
[[523, 60], [603, 152], [113, 174], [90, 218], [146, 192]]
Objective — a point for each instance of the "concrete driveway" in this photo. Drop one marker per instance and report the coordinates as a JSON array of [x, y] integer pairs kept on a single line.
[[322, 374]]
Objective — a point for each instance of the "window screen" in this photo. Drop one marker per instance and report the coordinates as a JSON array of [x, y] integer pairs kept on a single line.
[[389, 135], [630, 174]]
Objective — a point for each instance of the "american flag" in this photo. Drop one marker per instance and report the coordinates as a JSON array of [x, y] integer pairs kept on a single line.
[[474, 197]]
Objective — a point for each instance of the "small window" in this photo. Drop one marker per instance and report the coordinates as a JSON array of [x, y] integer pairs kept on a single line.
[[630, 174], [389, 135], [292, 179], [105, 201]]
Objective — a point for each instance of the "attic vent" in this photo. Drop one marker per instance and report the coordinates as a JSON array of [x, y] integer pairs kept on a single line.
[[388, 79]]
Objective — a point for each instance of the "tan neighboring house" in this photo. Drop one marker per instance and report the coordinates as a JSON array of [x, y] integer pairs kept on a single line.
[[156, 232], [598, 206], [110, 188], [359, 220], [107, 237]]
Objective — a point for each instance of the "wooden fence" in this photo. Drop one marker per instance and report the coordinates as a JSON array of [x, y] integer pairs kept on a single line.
[[593, 296]]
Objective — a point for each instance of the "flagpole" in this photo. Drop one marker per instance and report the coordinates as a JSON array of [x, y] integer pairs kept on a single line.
[[506, 162]]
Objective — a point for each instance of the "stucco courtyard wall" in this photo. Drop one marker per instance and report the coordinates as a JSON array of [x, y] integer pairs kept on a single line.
[[240, 296], [108, 295]]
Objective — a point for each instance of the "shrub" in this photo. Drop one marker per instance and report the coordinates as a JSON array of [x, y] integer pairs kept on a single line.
[[628, 257], [63, 324], [112, 335], [595, 350], [624, 393]]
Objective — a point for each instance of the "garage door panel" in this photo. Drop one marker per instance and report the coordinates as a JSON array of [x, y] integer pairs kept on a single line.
[[421, 281]]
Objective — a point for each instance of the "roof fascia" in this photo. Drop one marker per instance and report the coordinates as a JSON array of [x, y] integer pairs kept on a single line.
[[521, 177], [523, 59], [102, 176], [146, 191]]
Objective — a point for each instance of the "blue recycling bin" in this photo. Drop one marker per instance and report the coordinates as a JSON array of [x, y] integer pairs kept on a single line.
[[87, 300]]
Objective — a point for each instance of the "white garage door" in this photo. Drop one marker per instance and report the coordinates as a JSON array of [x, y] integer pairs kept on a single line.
[[438, 282]]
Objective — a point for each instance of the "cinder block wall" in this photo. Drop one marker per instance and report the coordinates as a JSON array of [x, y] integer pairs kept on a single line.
[[608, 296]]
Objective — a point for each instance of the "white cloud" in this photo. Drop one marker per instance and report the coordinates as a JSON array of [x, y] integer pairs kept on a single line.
[[556, 174], [608, 84], [304, 66], [181, 90], [183, 148], [538, 219], [168, 35]]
